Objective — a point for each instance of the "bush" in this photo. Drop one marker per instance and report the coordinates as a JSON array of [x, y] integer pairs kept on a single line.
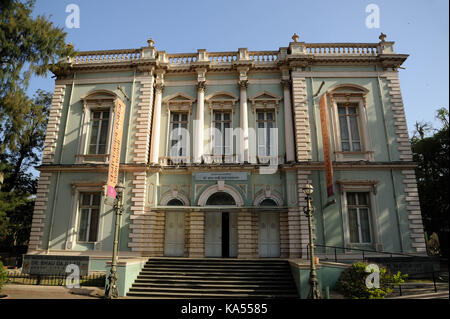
[[3, 276], [352, 283]]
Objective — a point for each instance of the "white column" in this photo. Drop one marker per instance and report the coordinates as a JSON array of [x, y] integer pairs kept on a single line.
[[156, 127], [199, 123], [244, 120], [288, 127]]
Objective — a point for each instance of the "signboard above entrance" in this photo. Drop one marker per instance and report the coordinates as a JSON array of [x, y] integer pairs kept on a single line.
[[221, 176]]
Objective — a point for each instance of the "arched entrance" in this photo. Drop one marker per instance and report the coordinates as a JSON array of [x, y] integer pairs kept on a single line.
[[220, 227]]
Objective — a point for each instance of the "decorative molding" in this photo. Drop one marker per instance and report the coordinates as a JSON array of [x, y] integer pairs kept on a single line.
[[349, 184], [215, 188], [265, 100]]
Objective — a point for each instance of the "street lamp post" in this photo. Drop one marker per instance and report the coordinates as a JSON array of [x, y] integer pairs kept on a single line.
[[111, 288], [309, 209]]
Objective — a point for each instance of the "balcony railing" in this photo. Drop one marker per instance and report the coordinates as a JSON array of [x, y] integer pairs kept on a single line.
[[227, 58]]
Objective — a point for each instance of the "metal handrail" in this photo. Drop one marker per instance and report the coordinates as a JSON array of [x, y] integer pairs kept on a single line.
[[359, 249]]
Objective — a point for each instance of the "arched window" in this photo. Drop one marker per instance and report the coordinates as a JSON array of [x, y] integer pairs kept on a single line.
[[174, 202], [220, 198], [349, 122], [268, 202]]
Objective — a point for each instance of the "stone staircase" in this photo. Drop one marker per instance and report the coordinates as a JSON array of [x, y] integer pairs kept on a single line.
[[214, 278]]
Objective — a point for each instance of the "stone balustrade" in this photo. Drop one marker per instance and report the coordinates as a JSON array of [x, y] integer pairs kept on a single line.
[[228, 58], [263, 56], [222, 57], [105, 56], [182, 58], [342, 48]]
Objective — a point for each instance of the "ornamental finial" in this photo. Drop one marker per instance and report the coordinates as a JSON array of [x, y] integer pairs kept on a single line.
[[382, 37], [295, 37], [150, 42]]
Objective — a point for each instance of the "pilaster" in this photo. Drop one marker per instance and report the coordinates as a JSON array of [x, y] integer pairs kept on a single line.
[[156, 129]]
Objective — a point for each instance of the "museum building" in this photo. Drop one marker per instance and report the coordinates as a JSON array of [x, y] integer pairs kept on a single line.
[[217, 146]]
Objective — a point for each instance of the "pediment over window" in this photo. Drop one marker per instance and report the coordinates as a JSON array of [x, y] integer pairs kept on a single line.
[[99, 98], [265, 100], [348, 89], [179, 102], [179, 98], [221, 100]]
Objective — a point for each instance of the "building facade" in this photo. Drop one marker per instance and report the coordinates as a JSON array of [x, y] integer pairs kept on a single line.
[[216, 148]]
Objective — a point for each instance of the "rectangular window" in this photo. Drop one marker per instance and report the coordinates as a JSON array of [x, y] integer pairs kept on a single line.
[[99, 127], [349, 127], [89, 217], [265, 121], [178, 134], [222, 133], [358, 216]]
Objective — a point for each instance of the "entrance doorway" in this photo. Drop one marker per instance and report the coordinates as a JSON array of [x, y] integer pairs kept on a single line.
[[174, 234], [220, 228]]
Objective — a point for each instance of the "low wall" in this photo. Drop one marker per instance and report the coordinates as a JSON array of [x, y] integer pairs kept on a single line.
[[127, 272], [328, 274]]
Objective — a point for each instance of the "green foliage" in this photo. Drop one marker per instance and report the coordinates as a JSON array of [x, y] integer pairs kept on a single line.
[[432, 156], [29, 45], [3, 276], [352, 283]]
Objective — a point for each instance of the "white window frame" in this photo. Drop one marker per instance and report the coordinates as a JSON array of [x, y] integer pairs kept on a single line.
[[89, 106], [187, 158], [225, 155], [87, 241], [220, 101], [72, 235], [366, 152], [266, 158], [366, 187], [180, 103]]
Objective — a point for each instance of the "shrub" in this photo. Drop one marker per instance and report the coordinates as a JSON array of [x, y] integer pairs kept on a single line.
[[3, 276], [352, 283]]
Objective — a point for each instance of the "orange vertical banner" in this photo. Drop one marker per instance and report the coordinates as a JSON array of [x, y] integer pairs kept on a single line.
[[114, 158], [326, 144]]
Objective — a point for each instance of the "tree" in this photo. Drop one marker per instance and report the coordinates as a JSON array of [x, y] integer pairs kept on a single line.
[[432, 156], [28, 46]]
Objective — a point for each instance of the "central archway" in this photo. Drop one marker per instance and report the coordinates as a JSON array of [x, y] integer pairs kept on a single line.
[[221, 237], [227, 189]]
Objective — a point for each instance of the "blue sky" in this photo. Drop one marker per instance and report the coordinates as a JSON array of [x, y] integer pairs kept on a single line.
[[420, 28]]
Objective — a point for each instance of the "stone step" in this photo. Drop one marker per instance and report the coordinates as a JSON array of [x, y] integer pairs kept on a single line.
[[164, 295], [216, 269], [222, 265], [202, 280], [214, 285], [232, 290], [215, 278]]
